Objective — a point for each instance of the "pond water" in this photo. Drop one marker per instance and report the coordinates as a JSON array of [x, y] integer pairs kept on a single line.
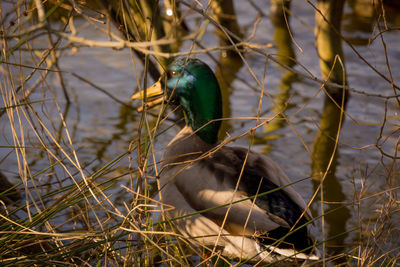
[[101, 129]]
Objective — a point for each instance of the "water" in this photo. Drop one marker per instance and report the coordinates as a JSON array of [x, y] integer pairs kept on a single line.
[[101, 129]]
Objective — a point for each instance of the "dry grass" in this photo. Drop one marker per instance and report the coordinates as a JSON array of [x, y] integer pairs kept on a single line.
[[65, 210]]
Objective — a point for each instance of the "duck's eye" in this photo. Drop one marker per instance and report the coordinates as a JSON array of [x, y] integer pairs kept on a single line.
[[174, 73]]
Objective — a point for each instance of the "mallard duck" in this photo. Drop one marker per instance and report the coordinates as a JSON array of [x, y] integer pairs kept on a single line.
[[199, 174]]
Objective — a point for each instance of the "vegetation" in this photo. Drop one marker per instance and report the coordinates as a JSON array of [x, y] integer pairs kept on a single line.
[[79, 164]]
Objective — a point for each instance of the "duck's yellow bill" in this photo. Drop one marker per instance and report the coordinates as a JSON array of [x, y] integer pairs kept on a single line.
[[154, 96], [153, 91]]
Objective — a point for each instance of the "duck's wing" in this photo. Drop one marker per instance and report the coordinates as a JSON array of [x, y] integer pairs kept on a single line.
[[257, 166], [209, 184], [261, 177], [202, 187]]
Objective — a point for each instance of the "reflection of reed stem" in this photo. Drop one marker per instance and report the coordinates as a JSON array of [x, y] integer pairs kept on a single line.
[[324, 163], [329, 49], [328, 41], [286, 55], [325, 147], [229, 61], [282, 36], [155, 27], [225, 15]]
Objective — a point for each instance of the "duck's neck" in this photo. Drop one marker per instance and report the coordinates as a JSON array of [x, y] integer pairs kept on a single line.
[[203, 114], [204, 126]]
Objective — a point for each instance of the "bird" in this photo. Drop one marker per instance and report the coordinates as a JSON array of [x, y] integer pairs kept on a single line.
[[225, 198]]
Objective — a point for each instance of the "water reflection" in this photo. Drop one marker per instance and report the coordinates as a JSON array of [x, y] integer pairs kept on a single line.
[[174, 25], [286, 55], [325, 160], [325, 147], [225, 15], [229, 65], [362, 18], [229, 61], [130, 18]]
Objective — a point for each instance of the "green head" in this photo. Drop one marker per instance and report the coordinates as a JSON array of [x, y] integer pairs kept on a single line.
[[193, 85]]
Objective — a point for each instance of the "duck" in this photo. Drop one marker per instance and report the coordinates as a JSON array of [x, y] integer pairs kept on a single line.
[[223, 198]]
